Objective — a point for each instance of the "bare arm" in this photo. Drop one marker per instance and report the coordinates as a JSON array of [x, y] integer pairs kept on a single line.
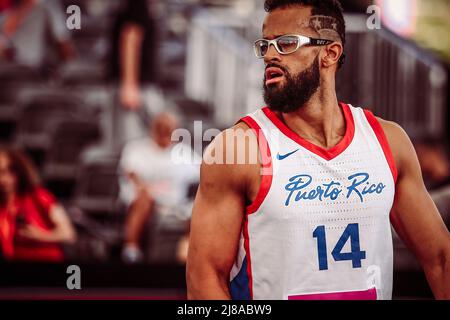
[[63, 232], [216, 223], [131, 39], [415, 216]]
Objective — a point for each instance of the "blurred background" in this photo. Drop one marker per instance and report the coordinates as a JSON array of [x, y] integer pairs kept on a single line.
[[89, 97]]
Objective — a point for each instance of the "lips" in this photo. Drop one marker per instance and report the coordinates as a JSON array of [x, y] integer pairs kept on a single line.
[[273, 75]]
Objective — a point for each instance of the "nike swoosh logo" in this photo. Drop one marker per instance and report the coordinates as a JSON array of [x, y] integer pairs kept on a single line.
[[282, 157]]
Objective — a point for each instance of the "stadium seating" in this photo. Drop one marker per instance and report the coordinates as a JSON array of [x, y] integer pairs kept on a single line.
[[14, 79], [97, 187], [67, 142], [95, 210], [40, 114]]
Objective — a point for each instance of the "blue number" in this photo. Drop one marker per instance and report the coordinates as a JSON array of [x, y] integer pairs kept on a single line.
[[319, 233], [356, 255]]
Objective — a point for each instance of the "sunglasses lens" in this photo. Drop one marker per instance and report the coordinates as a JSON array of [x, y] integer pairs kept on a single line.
[[261, 48], [287, 44]]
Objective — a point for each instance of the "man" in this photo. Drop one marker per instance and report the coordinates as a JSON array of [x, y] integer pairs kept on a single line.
[[311, 218], [156, 176]]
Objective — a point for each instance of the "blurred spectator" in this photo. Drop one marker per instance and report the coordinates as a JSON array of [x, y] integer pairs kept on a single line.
[[33, 226], [134, 51], [435, 167], [434, 163], [29, 27], [183, 246], [157, 175], [134, 60]]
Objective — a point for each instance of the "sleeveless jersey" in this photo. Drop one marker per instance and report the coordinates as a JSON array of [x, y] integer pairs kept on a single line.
[[319, 227]]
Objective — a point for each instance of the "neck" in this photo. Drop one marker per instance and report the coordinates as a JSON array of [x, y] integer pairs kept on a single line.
[[321, 120]]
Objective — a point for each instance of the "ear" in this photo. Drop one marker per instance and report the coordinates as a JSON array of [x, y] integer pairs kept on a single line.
[[333, 53]]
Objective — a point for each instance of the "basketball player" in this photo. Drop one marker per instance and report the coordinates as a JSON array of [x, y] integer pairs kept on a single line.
[[311, 218]]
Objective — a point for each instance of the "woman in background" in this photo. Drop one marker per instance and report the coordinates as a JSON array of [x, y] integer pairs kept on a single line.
[[33, 226]]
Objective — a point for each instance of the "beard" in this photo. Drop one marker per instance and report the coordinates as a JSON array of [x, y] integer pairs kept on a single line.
[[297, 91]]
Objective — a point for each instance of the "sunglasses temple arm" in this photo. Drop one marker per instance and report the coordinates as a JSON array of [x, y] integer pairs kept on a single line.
[[319, 42]]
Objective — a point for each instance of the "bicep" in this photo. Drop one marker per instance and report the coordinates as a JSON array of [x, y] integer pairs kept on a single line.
[[218, 213], [216, 224], [414, 215]]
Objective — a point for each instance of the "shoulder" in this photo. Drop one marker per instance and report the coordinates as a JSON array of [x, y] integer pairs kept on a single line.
[[44, 197], [392, 129], [239, 140], [44, 194], [401, 146], [232, 157]]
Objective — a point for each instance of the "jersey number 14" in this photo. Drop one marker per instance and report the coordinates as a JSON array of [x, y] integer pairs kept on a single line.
[[350, 233]]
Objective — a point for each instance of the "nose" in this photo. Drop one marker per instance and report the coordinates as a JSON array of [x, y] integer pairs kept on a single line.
[[272, 54]]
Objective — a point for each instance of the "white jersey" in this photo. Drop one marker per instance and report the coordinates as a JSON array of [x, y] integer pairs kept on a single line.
[[319, 227]]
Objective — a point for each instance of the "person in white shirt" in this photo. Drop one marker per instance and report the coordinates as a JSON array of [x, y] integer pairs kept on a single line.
[[155, 176]]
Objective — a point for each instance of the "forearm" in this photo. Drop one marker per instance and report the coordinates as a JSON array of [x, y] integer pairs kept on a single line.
[[212, 287], [130, 53], [59, 236], [438, 276]]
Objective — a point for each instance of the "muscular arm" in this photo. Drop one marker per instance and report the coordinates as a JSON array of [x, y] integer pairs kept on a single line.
[[216, 222], [415, 217]]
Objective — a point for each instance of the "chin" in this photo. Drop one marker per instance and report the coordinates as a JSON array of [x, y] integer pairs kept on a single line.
[[275, 87]]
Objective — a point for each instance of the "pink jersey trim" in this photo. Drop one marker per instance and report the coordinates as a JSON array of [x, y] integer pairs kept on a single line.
[[379, 132], [327, 154], [370, 294]]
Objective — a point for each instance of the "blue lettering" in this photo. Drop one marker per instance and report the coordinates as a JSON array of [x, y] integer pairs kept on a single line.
[[297, 183], [334, 193], [380, 188], [297, 187], [356, 183]]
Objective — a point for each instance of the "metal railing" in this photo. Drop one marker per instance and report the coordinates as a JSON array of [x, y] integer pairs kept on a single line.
[[395, 78]]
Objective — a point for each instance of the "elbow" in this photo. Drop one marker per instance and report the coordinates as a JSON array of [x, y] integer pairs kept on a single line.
[[206, 284], [72, 238], [191, 283], [438, 264], [438, 274], [445, 259], [69, 237]]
